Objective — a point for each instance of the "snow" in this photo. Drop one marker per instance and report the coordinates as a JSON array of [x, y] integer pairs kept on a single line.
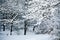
[[4, 35], [26, 37], [43, 11]]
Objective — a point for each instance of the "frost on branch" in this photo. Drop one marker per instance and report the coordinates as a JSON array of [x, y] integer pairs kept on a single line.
[[41, 16]]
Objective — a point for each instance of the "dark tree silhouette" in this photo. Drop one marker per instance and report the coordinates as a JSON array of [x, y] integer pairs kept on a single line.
[[3, 23], [25, 28], [3, 27], [11, 29]]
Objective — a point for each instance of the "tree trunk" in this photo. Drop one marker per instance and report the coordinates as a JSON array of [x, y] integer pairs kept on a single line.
[[3, 27], [34, 28], [0, 28], [25, 28], [11, 29], [3, 23]]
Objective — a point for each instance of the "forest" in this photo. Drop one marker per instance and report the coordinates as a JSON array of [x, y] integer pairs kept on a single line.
[[30, 17]]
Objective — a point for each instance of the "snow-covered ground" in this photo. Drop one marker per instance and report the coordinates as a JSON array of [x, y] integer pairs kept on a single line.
[[3, 36], [26, 37]]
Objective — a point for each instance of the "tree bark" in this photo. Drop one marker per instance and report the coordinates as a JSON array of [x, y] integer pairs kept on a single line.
[[3, 27], [11, 29], [25, 28]]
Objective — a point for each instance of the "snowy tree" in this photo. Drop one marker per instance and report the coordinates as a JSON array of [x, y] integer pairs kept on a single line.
[[42, 16], [44, 12], [12, 9]]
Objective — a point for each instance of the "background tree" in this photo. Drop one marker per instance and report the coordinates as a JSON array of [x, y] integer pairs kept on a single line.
[[43, 15]]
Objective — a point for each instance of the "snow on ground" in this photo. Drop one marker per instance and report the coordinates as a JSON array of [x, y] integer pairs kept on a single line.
[[29, 36], [4, 36], [26, 37]]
